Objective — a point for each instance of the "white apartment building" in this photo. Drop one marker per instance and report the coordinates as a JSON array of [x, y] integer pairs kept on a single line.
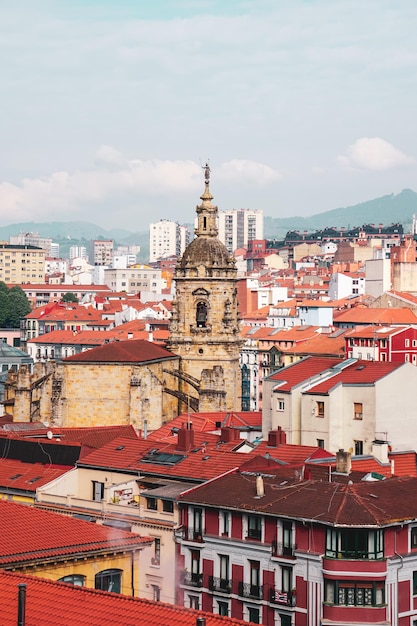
[[76, 252], [135, 279], [239, 226], [167, 239], [34, 239]]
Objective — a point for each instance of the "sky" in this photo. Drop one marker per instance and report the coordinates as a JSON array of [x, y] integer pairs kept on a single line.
[[110, 108]]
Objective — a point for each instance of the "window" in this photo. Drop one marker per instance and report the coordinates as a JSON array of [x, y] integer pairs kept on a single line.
[[358, 448], [254, 527], [73, 579], [320, 409], [254, 615], [222, 608], [201, 315], [224, 570], [156, 592], [225, 523], [286, 579], [254, 578], [198, 523], [98, 491], [167, 506], [414, 537], [414, 343], [414, 583], [194, 602], [151, 504], [280, 404], [157, 551], [320, 443], [285, 620], [407, 343], [357, 410], [355, 543], [287, 545], [351, 593], [109, 580], [196, 577]]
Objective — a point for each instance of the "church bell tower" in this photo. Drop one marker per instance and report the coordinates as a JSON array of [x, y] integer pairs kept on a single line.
[[204, 326]]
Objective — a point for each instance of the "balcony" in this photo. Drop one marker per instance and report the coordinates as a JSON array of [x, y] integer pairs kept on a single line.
[[286, 598], [246, 590], [283, 549], [223, 585], [192, 579]]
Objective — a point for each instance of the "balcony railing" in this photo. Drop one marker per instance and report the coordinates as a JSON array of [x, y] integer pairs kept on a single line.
[[283, 549], [246, 590], [220, 584], [194, 535], [286, 598], [254, 533], [192, 579]]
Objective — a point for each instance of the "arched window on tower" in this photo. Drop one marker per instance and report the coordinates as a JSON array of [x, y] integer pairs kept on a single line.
[[201, 315]]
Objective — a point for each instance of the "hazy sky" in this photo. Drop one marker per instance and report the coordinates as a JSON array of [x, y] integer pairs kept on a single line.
[[110, 107]]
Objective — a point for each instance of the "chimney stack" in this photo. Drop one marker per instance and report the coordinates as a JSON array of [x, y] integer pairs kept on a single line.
[[343, 462], [276, 438], [185, 437], [21, 608]]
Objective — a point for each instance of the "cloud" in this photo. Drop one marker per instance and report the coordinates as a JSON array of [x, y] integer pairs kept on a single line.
[[249, 172], [118, 181], [374, 153]]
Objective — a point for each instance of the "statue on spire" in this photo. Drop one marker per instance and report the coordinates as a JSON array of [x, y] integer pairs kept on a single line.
[[206, 169]]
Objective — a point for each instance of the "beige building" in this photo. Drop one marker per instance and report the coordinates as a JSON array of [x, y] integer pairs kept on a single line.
[[204, 325], [123, 499], [21, 264], [345, 404], [121, 382]]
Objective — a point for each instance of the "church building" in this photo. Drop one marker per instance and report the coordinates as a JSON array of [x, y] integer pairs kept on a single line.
[[204, 326]]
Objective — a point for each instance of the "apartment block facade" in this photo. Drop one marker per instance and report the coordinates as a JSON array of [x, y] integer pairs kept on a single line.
[[166, 239], [239, 226], [21, 264]]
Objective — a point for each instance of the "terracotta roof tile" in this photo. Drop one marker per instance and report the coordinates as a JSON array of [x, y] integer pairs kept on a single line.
[[359, 504], [131, 351], [360, 372], [296, 373], [35, 534], [369, 315], [45, 600]]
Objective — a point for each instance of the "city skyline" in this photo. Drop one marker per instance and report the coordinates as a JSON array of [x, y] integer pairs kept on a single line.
[[111, 109]]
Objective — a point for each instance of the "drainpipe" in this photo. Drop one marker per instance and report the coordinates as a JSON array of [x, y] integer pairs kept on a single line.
[[21, 605]]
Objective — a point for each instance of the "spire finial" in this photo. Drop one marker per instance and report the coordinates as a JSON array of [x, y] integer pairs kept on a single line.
[[207, 170]]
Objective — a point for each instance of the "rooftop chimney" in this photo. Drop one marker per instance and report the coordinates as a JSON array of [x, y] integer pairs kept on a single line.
[[185, 437], [276, 438], [200, 621], [229, 434], [260, 491], [343, 462], [21, 606], [380, 450]]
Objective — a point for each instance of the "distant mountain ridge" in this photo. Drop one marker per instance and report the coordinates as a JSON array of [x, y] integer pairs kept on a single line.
[[385, 210]]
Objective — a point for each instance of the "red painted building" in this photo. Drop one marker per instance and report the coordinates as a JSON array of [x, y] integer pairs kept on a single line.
[[283, 551], [383, 343]]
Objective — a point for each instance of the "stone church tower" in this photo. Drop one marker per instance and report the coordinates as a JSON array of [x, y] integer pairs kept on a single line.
[[205, 322]]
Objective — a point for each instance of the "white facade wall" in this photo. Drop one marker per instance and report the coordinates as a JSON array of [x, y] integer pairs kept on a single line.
[[377, 276], [239, 226], [167, 239]]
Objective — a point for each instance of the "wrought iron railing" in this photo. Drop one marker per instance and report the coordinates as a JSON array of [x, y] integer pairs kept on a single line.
[[246, 590], [220, 584]]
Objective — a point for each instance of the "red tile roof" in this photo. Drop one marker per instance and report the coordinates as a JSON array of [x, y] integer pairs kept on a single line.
[[358, 373], [363, 503], [131, 351], [93, 437], [206, 422], [297, 373], [16, 476], [34, 535], [51, 603], [358, 315]]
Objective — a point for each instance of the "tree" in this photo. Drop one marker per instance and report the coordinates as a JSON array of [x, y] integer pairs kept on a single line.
[[14, 305], [69, 297]]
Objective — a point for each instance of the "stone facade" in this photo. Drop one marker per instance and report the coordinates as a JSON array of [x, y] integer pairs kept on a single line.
[[77, 393], [204, 326]]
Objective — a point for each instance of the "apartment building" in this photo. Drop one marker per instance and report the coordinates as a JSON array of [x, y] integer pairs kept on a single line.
[[135, 279], [21, 264], [239, 226], [167, 238], [101, 252]]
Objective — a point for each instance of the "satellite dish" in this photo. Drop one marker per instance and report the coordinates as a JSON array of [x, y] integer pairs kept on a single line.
[[49, 434]]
